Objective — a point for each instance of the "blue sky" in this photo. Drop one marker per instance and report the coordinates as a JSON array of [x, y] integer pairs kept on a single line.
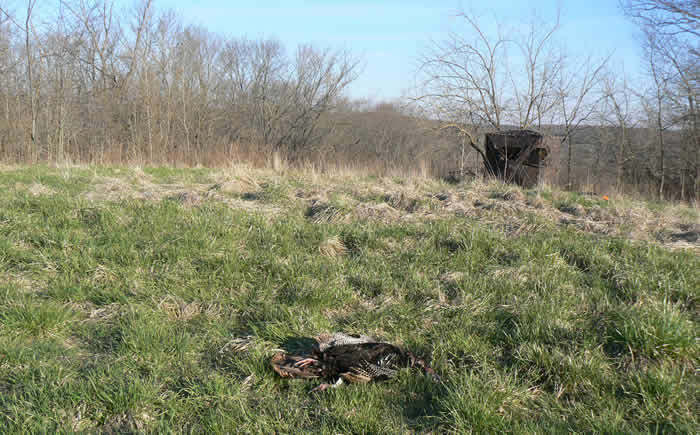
[[389, 35]]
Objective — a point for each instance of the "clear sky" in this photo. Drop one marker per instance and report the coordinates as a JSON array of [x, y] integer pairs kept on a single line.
[[389, 35]]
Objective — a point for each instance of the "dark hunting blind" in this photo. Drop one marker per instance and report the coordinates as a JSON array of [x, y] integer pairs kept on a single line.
[[524, 157]]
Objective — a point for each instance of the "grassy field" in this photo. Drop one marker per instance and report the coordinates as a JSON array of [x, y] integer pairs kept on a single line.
[[152, 300]]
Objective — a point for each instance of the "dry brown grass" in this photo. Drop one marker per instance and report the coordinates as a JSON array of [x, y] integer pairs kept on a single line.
[[21, 282], [176, 309], [333, 247], [36, 189], [105, 312], [345, 194]]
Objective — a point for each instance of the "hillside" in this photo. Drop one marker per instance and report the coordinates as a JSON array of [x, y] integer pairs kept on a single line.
[[153, 299]]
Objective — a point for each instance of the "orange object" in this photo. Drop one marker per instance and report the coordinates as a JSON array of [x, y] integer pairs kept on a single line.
[[605, 197]]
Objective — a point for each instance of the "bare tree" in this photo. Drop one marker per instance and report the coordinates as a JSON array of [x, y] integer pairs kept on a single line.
[[141, 22], [470, 83], [656, 106], [543, 64], [319, 78], [575, 103], [463, 81], [283, 100], [10, 73], [618, 113], [30, 81], [674, 26], [667, 17]]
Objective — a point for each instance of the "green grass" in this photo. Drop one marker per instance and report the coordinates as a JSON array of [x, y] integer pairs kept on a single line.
[[118, 316]]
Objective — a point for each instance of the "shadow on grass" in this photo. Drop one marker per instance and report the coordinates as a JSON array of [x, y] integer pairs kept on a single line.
[[299, 345], [421, 402]]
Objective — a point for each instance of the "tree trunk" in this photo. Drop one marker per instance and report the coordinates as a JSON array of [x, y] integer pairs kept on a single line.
[[696, 142], [568, 160], [27, 23], [620, 157], [60, 150], [662, 163], [461, 161]]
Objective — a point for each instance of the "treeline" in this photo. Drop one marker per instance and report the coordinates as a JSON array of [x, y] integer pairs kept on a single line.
[[85, 81], [667, 107], [88, 82], [101, 85]]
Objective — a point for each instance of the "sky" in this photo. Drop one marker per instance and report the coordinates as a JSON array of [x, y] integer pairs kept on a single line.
[[389, 36]]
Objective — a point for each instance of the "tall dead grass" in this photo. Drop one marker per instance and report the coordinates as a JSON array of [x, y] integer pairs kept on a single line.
[[237, 157]]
